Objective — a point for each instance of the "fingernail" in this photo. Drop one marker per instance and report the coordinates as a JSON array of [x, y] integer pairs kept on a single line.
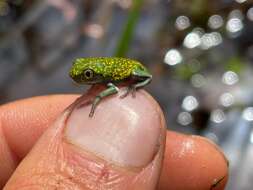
[[125, 131]]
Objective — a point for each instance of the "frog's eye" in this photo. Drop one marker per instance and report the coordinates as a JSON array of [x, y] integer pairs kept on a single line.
[[88, 74]]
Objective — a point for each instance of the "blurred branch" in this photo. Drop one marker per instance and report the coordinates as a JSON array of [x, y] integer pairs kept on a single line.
[[127, 33]]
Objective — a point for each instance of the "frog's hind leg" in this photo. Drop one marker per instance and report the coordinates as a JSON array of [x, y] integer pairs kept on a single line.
[[112, 89], [146, 79], [142, 83]]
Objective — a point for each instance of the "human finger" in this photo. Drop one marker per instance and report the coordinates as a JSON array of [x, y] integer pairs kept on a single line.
[[106, 151]]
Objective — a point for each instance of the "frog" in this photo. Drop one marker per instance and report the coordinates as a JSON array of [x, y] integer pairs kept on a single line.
[[110, 71]]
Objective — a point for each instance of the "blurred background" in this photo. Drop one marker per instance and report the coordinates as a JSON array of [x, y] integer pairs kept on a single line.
[[200, 53]]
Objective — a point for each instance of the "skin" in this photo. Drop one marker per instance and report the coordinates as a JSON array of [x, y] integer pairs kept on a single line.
[[109, 71], [23, 122]]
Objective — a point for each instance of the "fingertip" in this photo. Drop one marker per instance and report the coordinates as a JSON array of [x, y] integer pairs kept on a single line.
[[192, 162], [119, 126]]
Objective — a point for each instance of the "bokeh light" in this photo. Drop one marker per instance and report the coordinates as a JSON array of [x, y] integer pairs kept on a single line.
[[236, 14], [240, 1], [230, 78], [94, 30], [218, 116], [124, 4], [190, 103], [251, 137], [209, 40], [247, 114], [250, 14], [215, 21], [234, 25], [198, 80], [212, 136], [192, 40], [182, 22], [227, 99], [184, 118], [173, 57]]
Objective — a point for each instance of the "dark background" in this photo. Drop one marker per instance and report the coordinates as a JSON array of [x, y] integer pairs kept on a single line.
[[200, 53]]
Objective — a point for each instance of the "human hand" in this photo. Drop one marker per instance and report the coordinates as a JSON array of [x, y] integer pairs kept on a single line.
[[121, 147]]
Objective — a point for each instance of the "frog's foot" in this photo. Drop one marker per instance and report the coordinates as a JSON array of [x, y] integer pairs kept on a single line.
[[130, 89]]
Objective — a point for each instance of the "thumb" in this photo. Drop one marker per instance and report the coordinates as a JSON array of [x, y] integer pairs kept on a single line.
[[120, 147]]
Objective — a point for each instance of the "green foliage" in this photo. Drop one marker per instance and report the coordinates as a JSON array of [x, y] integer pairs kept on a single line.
[[124, 41], [234, 64], [183, 71]]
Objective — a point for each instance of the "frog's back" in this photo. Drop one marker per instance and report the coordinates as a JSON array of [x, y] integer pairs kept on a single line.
[[114, 67]]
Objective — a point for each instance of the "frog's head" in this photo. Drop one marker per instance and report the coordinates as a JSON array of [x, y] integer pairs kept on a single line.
[[87, 71]]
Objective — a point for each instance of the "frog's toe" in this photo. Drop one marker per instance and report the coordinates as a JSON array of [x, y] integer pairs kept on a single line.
[[133, 92], [127, 91], [130, 89], [91, 113]]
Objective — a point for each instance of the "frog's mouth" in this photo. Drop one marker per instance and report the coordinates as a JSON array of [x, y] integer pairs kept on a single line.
[[97, 79]]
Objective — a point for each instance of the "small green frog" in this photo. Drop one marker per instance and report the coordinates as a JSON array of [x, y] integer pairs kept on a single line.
[[109, 71]]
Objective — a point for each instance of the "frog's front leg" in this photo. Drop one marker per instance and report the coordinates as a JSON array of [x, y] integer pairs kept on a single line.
[[112, 89]]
